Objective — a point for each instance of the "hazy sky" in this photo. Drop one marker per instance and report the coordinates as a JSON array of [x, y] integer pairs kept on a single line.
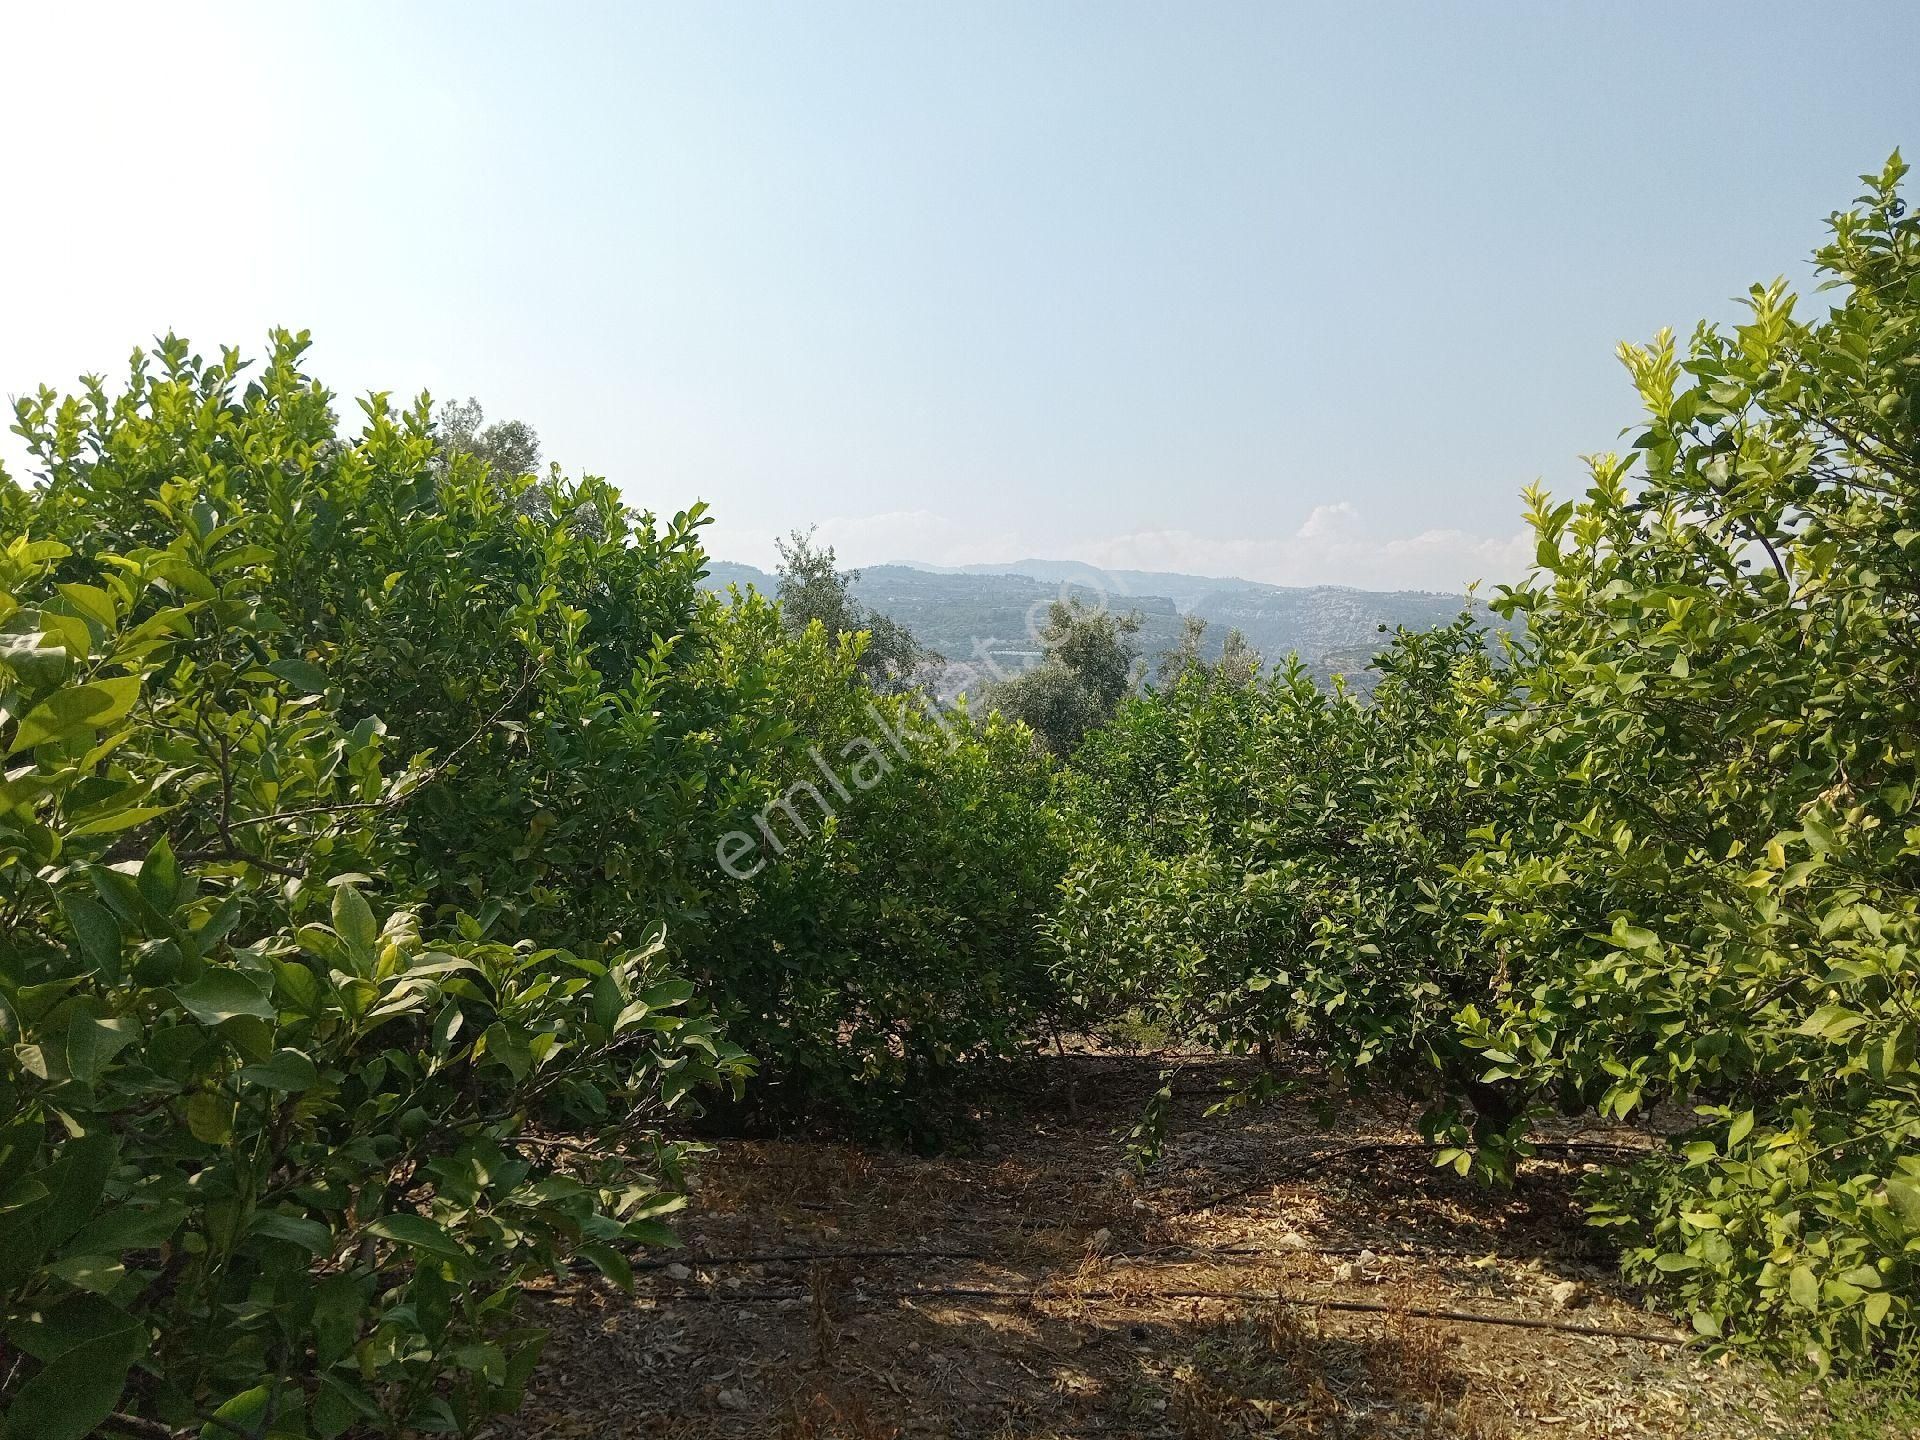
[[1301, 294]]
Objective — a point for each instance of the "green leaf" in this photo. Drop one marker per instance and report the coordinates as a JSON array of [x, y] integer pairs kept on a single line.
[[121, 820], [246, 1412], [160, 879], [77, 710], [1804, 1287], [353, 922], [650, 1232], [127, 1227], [210, 1117], [178, 572], [77, 1179], [39, 657], [77, 1388], [610, 1263], [98, 1273], [1831, 1022], [417, 1232], [338, 1303], [92, 1044], [339, 1402], [287, 1070], [306, 678], [92, 602], [1904, 1198], [223, 993], [312, 1236], [668, 994]]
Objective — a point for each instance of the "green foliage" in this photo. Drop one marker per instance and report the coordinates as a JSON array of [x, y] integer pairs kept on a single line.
[[550, 657], [814, 591], [1267, 864], [260, 1144], [356, 785], [1711, 890], [899, 861], [578, 722], [306, 730], [1663, 848], [1086, 668]]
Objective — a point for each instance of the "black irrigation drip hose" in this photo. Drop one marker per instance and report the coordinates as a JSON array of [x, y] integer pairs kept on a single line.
[[1164, 1255], [775, 1257], [1264, 1297]]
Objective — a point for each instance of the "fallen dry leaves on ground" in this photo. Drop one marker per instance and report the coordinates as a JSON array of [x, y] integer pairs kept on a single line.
[[1036, 1287]]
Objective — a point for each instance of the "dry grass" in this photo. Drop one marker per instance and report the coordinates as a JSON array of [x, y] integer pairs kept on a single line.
[[1048, 1292], [822, 1417]]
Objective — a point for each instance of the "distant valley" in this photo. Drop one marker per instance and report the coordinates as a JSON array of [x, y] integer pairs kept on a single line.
[[988, 612]]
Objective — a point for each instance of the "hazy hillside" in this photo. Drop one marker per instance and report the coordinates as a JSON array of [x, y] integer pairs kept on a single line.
[[1183, 590], [968, 613]]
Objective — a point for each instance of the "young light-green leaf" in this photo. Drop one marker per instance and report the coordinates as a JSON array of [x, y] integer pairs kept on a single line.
[[76, 711]]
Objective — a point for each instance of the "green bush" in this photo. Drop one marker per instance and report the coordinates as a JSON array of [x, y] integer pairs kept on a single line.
[[550, 645], [1268, 861], [262, 1149], [896, 862], [604, 720], [1713, 892], [355, 792], [1663, 848]]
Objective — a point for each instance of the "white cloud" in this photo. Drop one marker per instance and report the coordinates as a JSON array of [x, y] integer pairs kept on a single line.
[[1329, 521]]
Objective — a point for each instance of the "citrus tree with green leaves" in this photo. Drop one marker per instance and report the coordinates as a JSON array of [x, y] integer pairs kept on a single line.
[[1268, 862], [876, 943], [598, 721], [264, 1145], [1706, 883], [1662, 847], [359, 825]]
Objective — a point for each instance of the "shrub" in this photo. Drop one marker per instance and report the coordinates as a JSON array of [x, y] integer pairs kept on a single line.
[[549, 645], [1270, 862], [879, 949], [1664, 850], [600, 721], [264, 1151], [1714, 893]]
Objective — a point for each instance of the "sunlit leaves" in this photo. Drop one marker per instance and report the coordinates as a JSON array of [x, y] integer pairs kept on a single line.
[[1662, 854], [251, 1134]]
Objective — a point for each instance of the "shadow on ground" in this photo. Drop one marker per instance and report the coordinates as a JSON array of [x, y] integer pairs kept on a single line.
[[1273, 1277]]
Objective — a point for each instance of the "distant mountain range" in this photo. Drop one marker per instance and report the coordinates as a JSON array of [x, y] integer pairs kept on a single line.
[[974, 612]]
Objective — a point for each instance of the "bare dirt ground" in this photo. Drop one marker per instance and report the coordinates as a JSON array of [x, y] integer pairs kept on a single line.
[[1272, 1277]]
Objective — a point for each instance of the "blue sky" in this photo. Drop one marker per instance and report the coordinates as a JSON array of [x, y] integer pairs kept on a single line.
[[1302, 294]]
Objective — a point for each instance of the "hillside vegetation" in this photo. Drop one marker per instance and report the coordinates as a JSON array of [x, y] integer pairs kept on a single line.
[[375, 815], [980, 614]]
